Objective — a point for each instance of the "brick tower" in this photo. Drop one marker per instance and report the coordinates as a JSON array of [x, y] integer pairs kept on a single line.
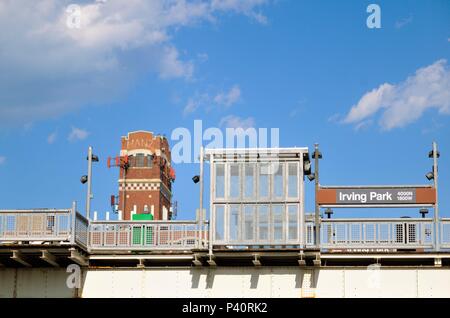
[[145, 182]]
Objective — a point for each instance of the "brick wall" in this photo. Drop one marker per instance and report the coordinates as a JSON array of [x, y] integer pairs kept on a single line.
[[148, 184]]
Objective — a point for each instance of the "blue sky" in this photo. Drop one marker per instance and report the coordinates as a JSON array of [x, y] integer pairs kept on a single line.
[[374, 99]]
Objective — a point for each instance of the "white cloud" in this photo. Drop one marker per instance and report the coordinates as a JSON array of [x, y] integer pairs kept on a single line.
[[229, 98], [240, 6], [172, 67], [206, 101], [52, 138], [402, 22], [2, 160], [405, 102], [363, 125], [77, 134], [48, 67], [370, 103], [194, 103], [232, 121], [191, 106]]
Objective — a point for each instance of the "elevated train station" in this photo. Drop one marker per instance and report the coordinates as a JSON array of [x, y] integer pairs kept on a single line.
[[252, 239]]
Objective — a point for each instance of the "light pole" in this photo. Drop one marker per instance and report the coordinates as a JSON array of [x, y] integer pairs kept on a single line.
[[89, 185], [316, 156], [197, 179], [90, 158], [201, 196], [434, 153]]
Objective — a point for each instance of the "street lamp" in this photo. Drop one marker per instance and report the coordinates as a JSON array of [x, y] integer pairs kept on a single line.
[[431, 154], [316, 152], [84, 179], [88, 179], [423, 212], [430, 176]]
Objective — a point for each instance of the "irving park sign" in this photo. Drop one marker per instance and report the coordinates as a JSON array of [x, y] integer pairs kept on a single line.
[[376, 195]]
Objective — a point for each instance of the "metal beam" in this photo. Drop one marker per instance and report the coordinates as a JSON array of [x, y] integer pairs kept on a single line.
[[196, 261], [256, 261], [263, 253], [266, 152], [58, 211], [301, 259], [78, 258], [375, 186], [141, 263], [145, 257], [438, 262], [317, 261], [19, 258], [372, 220], [211, 261], [49, 258], [384, 256], [149, 222]]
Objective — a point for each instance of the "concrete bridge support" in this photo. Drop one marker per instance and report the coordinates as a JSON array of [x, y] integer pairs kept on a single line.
[[257, 282]]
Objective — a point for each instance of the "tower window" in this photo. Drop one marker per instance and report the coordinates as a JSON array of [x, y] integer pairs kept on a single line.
[[139, 160]]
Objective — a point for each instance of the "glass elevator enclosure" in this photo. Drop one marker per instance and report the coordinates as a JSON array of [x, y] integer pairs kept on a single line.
[[257, 196]]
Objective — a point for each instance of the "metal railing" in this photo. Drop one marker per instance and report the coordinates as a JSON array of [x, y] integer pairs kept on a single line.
[[377, 233], [445, 233], [81, 230], [68, 226], [266, 225], [144, 235], [309, 234], [35, 225]]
